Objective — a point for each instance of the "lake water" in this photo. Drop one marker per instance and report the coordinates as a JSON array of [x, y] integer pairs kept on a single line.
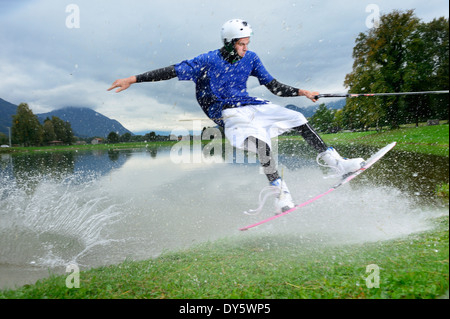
[[96, 208]]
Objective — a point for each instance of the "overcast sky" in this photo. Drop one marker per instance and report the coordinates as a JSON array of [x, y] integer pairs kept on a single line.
[[56, 53]]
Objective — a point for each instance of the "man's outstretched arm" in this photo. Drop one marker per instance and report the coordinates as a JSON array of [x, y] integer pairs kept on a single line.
[[162, 74]]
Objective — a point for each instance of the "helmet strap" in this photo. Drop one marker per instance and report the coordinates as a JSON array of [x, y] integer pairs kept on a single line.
[[229, 53]]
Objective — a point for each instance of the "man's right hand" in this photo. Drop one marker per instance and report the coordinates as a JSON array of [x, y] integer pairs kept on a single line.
[[122, 84]]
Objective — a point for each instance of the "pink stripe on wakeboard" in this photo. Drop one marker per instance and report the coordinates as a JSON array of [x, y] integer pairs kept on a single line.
[[288, 211]]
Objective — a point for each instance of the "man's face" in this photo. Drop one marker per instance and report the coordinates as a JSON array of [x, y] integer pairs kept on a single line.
[[241, 46]]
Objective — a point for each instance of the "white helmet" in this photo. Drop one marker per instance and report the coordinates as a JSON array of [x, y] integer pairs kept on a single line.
[[235, 29]]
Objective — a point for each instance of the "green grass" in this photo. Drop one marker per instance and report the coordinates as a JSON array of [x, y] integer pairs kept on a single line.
[[443, 191], [269, 267]]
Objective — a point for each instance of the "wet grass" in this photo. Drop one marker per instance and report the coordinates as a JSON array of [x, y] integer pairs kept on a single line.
[[415, 267], [443, 191]]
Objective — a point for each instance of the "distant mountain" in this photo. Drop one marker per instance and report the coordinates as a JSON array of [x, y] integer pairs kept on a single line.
[[86, 122], [7, 110], [336, 105], [311, 110]]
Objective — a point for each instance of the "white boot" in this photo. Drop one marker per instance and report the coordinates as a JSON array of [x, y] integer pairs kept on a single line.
[[343, 165], [283, 201]]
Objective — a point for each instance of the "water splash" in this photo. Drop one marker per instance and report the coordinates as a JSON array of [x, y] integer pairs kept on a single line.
[[54, 223]]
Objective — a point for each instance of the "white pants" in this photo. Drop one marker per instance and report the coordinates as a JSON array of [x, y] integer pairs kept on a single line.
[[263, 122]]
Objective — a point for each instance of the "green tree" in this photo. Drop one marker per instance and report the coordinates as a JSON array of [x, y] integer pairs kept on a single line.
[[150, 136], [113, 137], [323, 119], [402, 55], [68, 138], [126, 137], [62, 130], [59, 128], [382, 59], [427, 69], [436, 36], [48, 131], [26, 128], [338, 121], [361, 80], [4, 139]]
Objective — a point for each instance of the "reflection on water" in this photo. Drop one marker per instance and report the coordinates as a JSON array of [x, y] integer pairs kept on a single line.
[[101, 207]]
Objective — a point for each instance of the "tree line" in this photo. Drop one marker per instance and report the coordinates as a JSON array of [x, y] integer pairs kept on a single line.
[[403, 54], [27, 130]]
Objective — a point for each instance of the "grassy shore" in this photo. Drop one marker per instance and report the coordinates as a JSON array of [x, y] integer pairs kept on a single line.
[[415, 266]]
